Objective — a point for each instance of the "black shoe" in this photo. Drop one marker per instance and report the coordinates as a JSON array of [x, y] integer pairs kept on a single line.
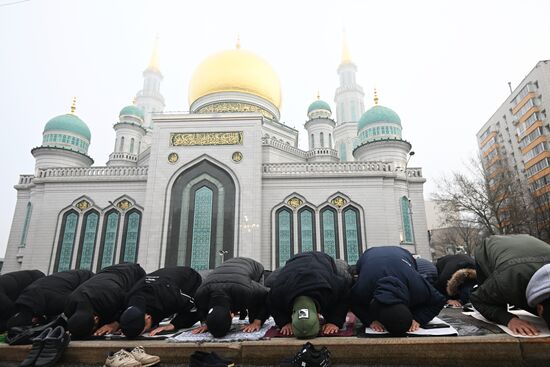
[[37, 345], [54, 345], [204, 359], [309, 356]]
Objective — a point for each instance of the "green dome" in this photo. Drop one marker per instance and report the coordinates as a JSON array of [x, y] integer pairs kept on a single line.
[[318, 105], [378, 114], [132, 110], [69, 123]]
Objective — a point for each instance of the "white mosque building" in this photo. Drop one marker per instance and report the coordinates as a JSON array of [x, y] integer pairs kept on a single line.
[[226, 179]]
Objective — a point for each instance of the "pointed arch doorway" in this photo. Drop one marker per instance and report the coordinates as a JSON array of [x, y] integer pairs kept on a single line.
[[202, 217]]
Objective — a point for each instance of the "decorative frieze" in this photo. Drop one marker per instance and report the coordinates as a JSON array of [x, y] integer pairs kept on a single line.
[[223, 107], [295, 202], [206, 138]]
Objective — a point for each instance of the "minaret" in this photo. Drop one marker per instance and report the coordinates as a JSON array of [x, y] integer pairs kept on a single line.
[[320, 132], [129, 137], [349, 95], [149, 98]]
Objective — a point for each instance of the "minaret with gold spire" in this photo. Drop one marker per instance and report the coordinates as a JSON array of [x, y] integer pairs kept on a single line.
[[149, 99]]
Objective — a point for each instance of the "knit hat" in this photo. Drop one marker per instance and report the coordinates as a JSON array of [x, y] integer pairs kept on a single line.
[[81, 323], [132, 322], [538, 288], [219, 317], [305, 322], [396, 318]]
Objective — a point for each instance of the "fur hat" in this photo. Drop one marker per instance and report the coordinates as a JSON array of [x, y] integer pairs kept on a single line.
[[459, 278]]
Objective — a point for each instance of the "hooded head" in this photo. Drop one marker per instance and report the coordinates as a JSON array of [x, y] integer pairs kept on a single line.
[[219, 317], [82, 323], [461, 284], [396, 318], [305, 321], [538, 289], [22, 318], [132, 322]]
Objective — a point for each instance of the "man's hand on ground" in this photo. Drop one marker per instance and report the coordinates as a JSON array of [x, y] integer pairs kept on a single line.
[[200, 329], [159, 329], [522, 327], [107, 329], [454, 303], [377, 326], [329, 329], [414, 326], [254, 326], [287, 329]]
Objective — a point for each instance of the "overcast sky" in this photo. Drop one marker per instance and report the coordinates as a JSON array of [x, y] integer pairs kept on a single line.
[[443, 66]]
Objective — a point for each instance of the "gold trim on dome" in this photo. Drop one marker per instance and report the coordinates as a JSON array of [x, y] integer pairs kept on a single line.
[[173, 157], [295, 202], [338, 201], [237, 157], [83, 205], [124, 204], [221, 107], [212, 138]]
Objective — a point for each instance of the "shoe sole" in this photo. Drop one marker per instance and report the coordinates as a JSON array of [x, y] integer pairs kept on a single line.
[[150, 364]]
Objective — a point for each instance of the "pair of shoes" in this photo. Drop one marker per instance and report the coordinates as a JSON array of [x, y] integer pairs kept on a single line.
[[309, 356], [47, 348], [21, 335], [134, 358], [204, 359]]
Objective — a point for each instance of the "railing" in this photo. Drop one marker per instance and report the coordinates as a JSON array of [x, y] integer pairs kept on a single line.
[[93, 172], [126, 156], [317, 152], [290, 169], [283, 146], [25, 179]]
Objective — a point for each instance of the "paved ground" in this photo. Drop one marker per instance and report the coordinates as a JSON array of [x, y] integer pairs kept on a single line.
[[480, 344]]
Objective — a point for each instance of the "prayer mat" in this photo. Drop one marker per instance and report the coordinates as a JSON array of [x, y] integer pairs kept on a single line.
[[347, 330], [436, 327], [538, 322], [234, 335]]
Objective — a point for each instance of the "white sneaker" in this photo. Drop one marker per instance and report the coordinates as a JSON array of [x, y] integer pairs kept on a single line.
[[122, 358], [145, 359]]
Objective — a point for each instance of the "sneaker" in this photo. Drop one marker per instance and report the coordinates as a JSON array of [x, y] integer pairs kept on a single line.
[[145, 359], [37, 345], [309, 356], [55, 344], [122, 358], [204, 359]]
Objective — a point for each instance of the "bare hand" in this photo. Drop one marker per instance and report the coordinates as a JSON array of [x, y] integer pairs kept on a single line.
[[107, 329], [522, 327], [454, 303], [254, 326], [414, 326], [287, 330], [159, 329], [377, 326], [200, 329], [329, 329]]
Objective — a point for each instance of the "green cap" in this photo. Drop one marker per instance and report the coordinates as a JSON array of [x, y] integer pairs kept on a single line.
[[305, 322]]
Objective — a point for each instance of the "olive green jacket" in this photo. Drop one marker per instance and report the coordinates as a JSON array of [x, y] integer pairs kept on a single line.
[[505, 264]]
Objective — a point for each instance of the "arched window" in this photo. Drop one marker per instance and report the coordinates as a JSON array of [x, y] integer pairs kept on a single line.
[[312, 141], [329, 232], [132, 145], [352, 235], [408, 235], [139, 148], [343, 153], [284, 235], [322, 140], [130, 236], [66, 241], [109, 239], [202, 217], [306, 230], [122, 144], [88, 237], [329, 140], [28, 212]]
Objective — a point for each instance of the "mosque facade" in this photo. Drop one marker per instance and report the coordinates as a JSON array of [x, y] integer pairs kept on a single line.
[[226, 179]]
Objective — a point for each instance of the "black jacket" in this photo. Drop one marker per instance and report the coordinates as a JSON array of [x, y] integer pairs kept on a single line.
[[47, 296], [388, 274], [237, 280], [448, 265], [166, 292], [106, 291], [505, 265], [11, 286], [313, 274]]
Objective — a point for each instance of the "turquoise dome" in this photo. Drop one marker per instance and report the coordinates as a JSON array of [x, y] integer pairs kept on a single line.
[[318, 105], [378, 114], [69, 123], [132, 110]]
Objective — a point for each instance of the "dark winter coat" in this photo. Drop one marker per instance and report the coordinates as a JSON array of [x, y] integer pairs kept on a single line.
[[48, 295], [237, 280], [313, 274], [505, 264], [11, 286], [389, 275], [427, 269], [166, 292], [447, 266], [106, 291]]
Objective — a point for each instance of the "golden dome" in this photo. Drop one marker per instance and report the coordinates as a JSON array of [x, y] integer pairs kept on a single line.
[[235, 71]]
